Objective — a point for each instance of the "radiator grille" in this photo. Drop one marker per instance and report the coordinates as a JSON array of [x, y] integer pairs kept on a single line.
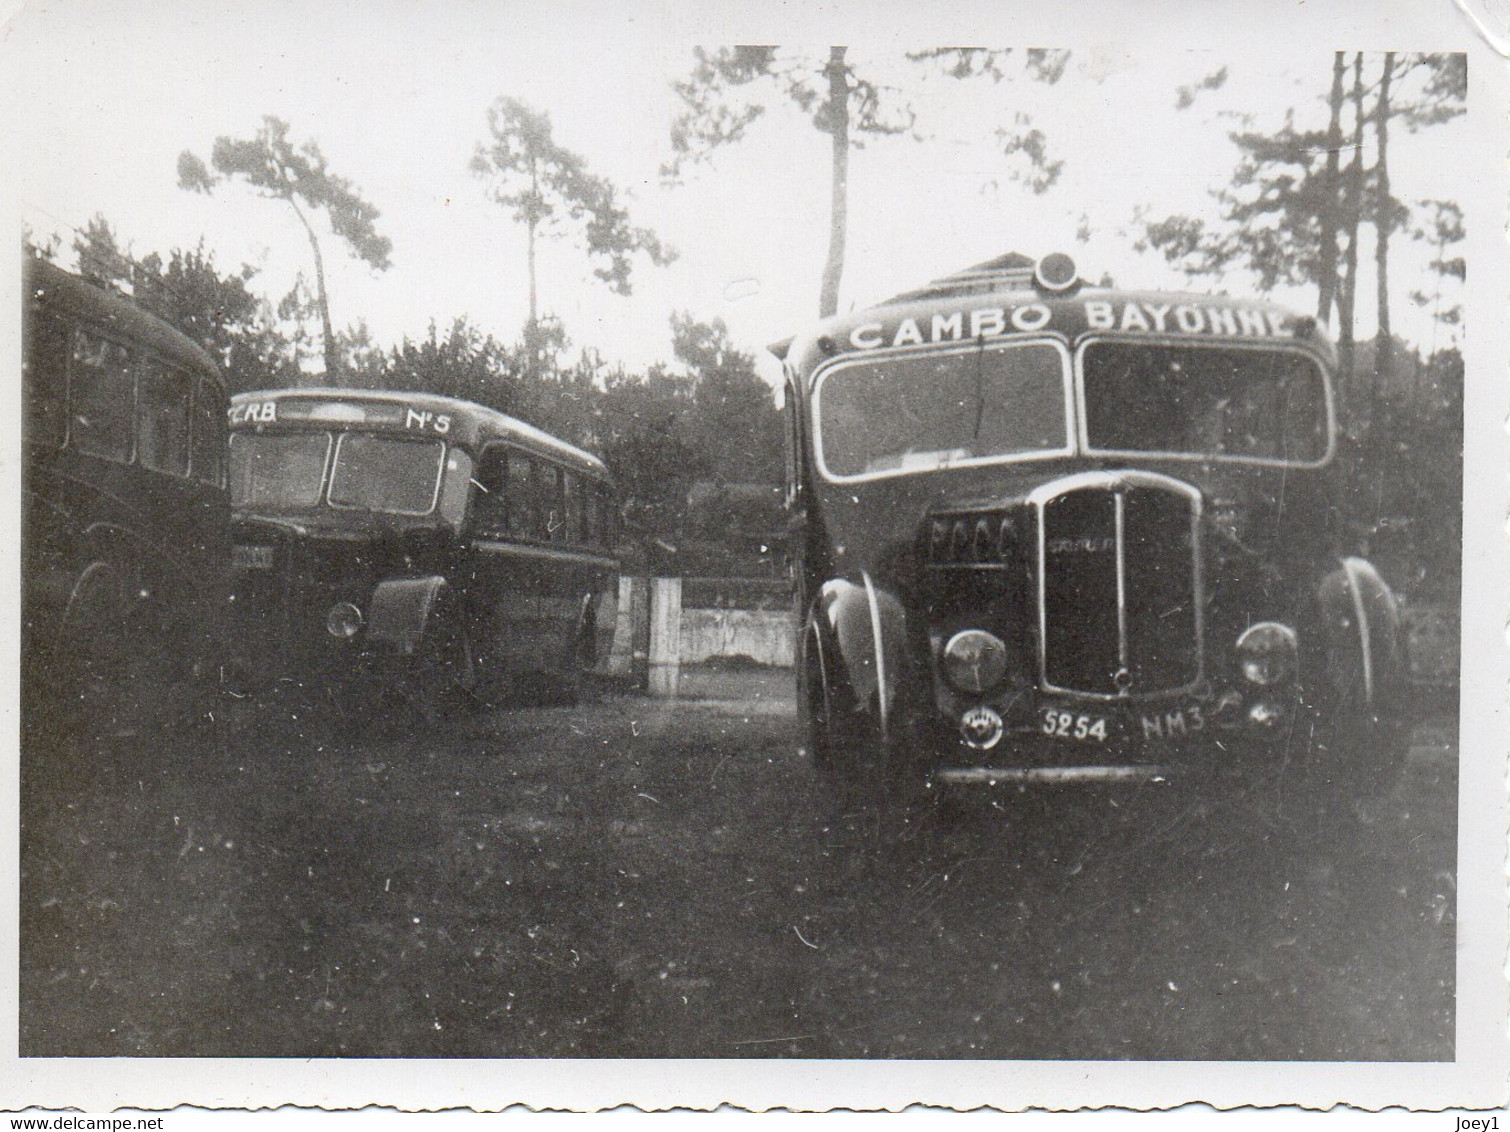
[[1119, 585]]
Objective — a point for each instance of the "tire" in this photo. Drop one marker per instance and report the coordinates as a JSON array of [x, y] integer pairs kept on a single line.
[[877, 792], [565, 684], [92, 641], [1361, 732], [83, 689], [441, 678]]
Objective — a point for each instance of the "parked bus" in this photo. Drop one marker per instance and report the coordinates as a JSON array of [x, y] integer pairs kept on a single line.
[[125, 549], [1049, 534], [421, 545]]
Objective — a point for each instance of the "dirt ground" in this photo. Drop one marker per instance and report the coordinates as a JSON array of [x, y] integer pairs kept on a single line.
[[641, 879]]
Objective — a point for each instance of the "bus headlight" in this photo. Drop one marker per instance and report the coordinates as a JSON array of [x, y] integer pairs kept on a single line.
[[1268, 653], [344, 621], [975, 661]]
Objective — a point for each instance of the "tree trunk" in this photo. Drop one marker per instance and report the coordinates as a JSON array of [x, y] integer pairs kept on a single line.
[[532, 327], [1326, 271], [534, 220], [1383, 223], [332, 360], [534, 309], [838, 129], [1352, 218]]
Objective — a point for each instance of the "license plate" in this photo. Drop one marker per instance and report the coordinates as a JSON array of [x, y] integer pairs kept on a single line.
[[1178, 724], [252, 557], [1078, 727]]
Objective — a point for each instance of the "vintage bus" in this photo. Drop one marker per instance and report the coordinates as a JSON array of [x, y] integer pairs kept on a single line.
[[403, 548], [1050, 534], [125, 549]]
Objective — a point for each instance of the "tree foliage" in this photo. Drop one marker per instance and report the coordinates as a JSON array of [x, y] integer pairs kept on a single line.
[[549, 190], [1289, 201], [271, 165], [1019, 137], [1293, 212], [460, 361], [729, 89], [734, 415], [646, 438], [1442, 228], [218, 311], [1403, 477], [1185, 97]]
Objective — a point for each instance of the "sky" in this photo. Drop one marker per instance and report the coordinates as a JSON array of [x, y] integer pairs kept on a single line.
[[396, 93]]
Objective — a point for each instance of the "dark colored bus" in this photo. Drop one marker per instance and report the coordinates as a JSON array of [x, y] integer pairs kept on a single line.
[[125, 549], [401, 542], [1048, 535]]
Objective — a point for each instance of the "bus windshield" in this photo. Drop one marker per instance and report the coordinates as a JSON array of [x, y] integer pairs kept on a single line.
[[1204, 401], [287, 471], [932, 410], [386, 473], [278, 469]]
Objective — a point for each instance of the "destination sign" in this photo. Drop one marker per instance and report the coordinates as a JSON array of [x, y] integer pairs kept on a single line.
[[384, 414], [1128, 316], [253, 412]]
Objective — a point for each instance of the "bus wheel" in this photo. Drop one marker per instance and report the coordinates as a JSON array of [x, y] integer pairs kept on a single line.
[[93, 649], [878, 797], [580, 661], [442, 676], [560, 684], [816, 714], [586, 653], [92, 634]]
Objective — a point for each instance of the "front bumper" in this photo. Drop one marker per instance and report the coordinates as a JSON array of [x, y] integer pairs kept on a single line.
[[1094, 775], [1062, 741]]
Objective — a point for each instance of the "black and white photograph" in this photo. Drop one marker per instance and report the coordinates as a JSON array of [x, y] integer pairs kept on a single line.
[[591, 554]]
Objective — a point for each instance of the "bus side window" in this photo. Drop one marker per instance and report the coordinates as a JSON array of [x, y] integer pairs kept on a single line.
[[584, 512], [521, 496], [490, 512], [602, 514], [44, 383], [101, 399], [589, 514], [209, 439], [571, 507], [549, 489], [162, 417]]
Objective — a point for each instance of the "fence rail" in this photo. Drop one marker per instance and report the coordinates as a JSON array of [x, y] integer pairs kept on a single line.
[[736, 593]]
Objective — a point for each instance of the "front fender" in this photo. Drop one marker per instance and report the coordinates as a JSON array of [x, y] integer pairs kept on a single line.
[[400, 610], [1362, 656], [860, 632]]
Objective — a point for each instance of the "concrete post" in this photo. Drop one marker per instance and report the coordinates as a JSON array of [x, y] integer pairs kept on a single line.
[[621, 655], [639, 631], [665, 635]]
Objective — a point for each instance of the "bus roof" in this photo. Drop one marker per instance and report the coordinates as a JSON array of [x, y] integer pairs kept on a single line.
[[89, 303], [1000, 299], [470, 423]]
